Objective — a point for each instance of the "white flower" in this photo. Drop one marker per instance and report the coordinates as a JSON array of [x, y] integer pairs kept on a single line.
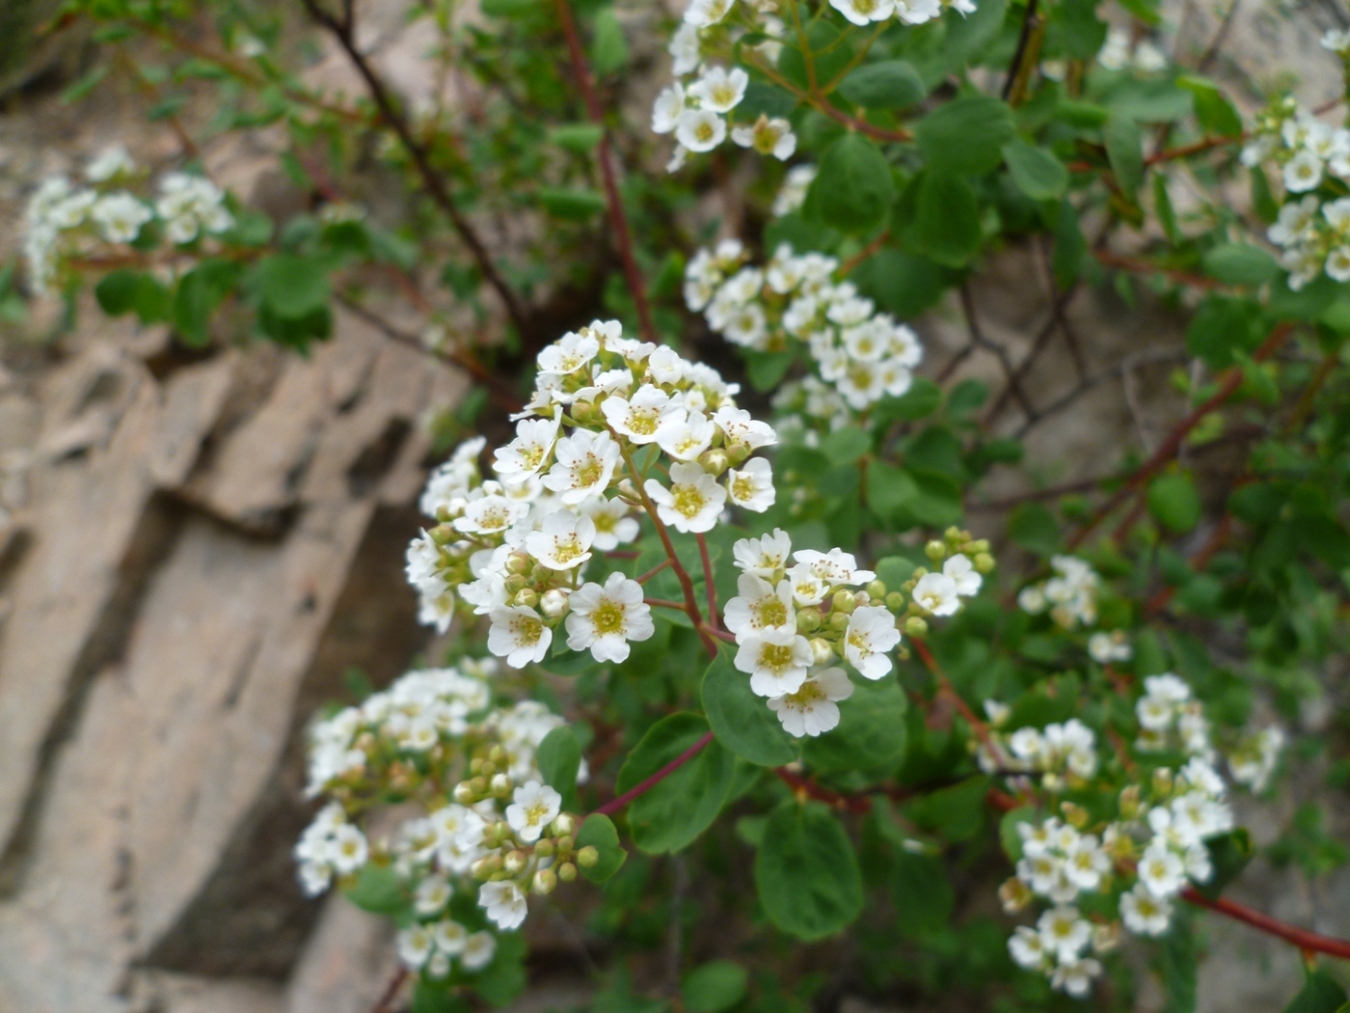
[[833, 567], [702, 13], [666, 111], [1064, 932], [1253, 762], [518, 635], [563, 541], [1104, 647], [489, 514], [861, 12], [1143, 913], [1075, 976], [504, 902], [741, 431], [479, 949], [450, 937], [963, 574], [431, 895], [792, 194], [701, 130], [685, 438], [1027, 948], [414, 945], [120, 216], [719, 89], [807, 587], [1086, 863], [109, 163], [768, 137], [533, 807], [692, 503], [812, 709], [1302, 172], [764, 556], [1031, 599], [612, 523], [1295, 220], [585, 464], [526, 454], [775, 659], [569, 353], [605, 619], [641, 418], [1167, 687], [752, 486], [1161, 870], [936, 593], [349, 850], [870, 637], [1038, 839]]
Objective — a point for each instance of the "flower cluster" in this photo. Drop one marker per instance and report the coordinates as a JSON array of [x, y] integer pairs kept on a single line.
[[1058, 752], [797, 615], [792, 193], [1169, 718], [1070, 595], [861, 353], [607, 413], [488, 830], [64, 221], [1120, 52], [1313, 230], [1253, 760], [909, 12]]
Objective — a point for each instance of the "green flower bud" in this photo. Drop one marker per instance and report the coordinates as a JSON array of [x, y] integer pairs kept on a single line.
[[563, 825], [588, 856], [565, 843], [514, 862], [545, 882], [515, 584], [895, 601], [839, 621], [501, 785], [809, 619], [464, 793], [544, 848], [485, 767], [915, 626], [935, 550], [844, 601], [582, 412], [518, 563], [497, 754], [567, 872], [714, 462], [984, 562], [876, 589], [527, 596], [821, 651]]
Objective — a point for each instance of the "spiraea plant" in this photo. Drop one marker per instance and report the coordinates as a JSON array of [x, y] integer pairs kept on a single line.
[[751, 667]]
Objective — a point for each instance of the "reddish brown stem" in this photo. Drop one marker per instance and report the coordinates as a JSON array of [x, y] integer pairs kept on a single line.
[[838, 799], [1138, 266], [1230, 380], [1308, 942], [642, 787], [386, 1000], [1197, 562], [664, 603], [945, 689], [876, 244], [653, 572], [623, 238]]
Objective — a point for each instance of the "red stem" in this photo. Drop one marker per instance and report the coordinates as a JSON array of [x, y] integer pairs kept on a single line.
[[1308, 942], [618, 219], [642, 787], [386, 1000], [1232, 379], [653, 572]]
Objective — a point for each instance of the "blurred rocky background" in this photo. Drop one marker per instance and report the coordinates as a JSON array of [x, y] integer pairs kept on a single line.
[[195, 547]]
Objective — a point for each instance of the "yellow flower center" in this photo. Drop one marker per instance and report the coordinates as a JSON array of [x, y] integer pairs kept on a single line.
[[688, 500], [608, 618], [527, 629], [772, 612], [776, 656]]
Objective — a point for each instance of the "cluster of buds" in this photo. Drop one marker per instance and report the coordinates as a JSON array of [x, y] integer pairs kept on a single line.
[[860, 353], [65, 222], [489, 831], [796, 622]]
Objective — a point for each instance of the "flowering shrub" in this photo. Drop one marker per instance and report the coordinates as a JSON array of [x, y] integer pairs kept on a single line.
[[746, 621]]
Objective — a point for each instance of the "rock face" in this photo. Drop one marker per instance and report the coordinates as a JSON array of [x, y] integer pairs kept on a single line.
[[203, 550]]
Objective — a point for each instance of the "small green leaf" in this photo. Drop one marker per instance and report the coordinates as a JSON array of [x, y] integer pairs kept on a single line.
[[806, 872], [956, 813], [1174, 501], [609, 49], [379, 889], [573, 205], [886, 84], [889, 490], [1321, 993], [1240, 264], [1215, 113], [1162, 203], [679, 808], [965, 136], [1034, 528], [853, 188], [1125, 152], [741, 720], [946, 223], [714, 987], [1229, 854], [1036, 171], [293, 286], [871, 735], [559, 757], [922, 893], [598, 832], [1070, 246], [579, 138], [846, 444]]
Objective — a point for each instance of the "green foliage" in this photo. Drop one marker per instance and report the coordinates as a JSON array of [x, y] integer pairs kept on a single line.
[[739, 719], [673, 814], [965, 136], [559, 757], [853, 188], [713, 987], [806, 871], [598, 832]]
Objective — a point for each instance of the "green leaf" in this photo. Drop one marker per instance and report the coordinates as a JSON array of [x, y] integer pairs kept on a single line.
[[579, 138], [1229, 854], [1174, 501], [871, 735], [502, 981], [1125, 152], [853, 188], [1263, 201], [741, 720], [200, 292], [609, 49], [1070, 246], [1240, 264], [559, 757], [714, 987], [1162, 203], [1215, 113], [1221, 326], [965, 136], [767, 369], [946, 223], [903, 283], [887, 84], [889, 489], [293, 286], [436, 997], [1036, 171], [673, 813], [1076, 26], [598, 832], [956, 813], [922, 893], [1034, 528], [378, 889], [126, 291], [806, 872], [1008, 834], [846, 444], [1321, 993], [570, 204]]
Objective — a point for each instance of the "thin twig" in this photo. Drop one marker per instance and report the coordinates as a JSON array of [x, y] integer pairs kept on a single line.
[[390, 993], [977, 337], [436, 186], [623, 237], [1019, 69], [646, 785]]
